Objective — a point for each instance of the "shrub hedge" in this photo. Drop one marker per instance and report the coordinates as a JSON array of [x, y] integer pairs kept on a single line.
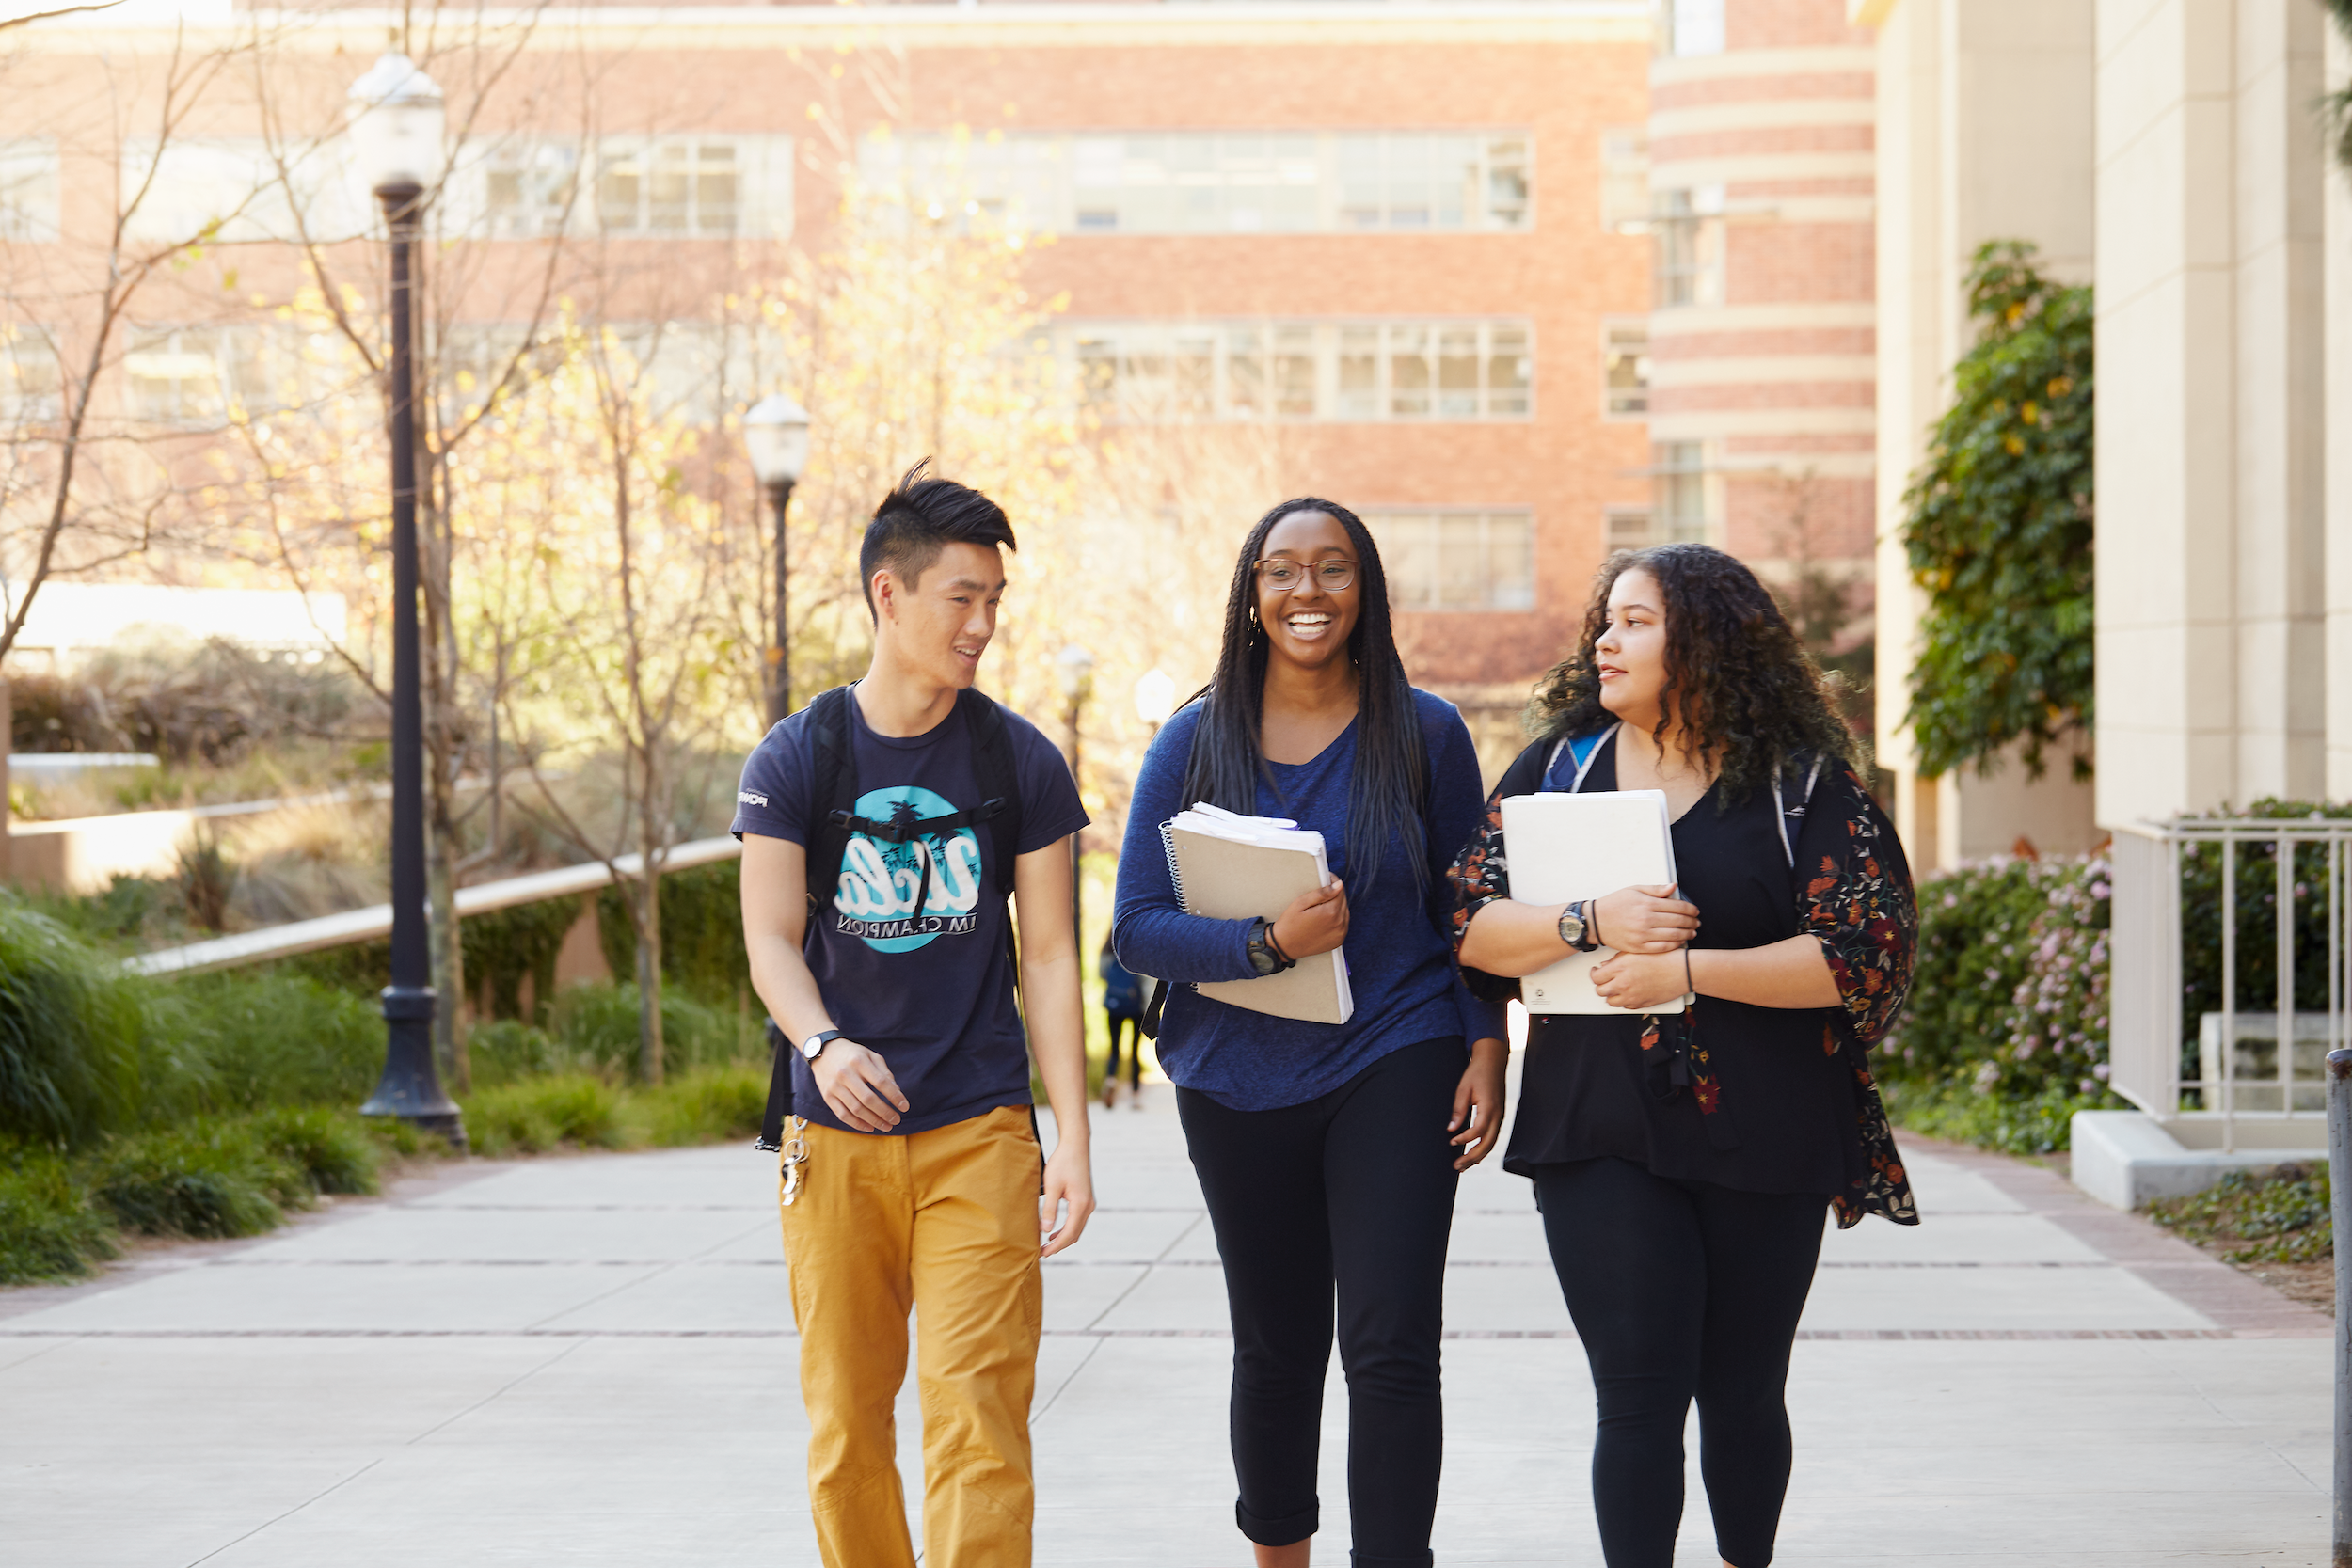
[[2005, 1036]]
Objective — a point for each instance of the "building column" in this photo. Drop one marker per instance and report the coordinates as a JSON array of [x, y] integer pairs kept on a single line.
[[2336, 188], [2281, 513], [1984, 132]]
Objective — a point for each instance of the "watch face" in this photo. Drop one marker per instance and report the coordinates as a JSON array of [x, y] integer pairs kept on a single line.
[[1572, 929]]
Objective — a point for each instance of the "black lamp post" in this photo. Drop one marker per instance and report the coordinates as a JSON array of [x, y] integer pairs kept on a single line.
[[775, 432], [396, 135]]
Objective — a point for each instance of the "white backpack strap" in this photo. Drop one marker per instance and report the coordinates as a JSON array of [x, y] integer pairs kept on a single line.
[[1585, 763], [1782, 812]]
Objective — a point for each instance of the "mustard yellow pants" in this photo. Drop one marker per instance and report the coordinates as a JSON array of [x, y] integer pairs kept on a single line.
[[943, 1222]]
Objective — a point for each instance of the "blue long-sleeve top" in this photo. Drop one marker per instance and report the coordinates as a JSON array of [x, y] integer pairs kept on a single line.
[[1399, 952]]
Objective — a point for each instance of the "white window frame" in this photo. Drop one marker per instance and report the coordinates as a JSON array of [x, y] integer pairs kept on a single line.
[[23, 347], [1415, 543], [28, 190], [1687, 237], [1114, 184], [1301, 371], [235, 182], [1623, 337]]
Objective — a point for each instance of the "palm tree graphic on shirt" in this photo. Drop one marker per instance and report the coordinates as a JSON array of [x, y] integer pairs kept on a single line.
[[879, 881]]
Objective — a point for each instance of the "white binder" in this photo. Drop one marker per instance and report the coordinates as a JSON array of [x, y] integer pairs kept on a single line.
[[1564, 845]]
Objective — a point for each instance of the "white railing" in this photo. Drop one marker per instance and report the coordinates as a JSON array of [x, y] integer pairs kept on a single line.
[[354, 926], [2235, 1075]]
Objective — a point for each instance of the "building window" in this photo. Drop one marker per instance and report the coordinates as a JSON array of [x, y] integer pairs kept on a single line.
[[687, 188], [1626, 528], [1338, 372], [528, 190], [1458, 561], [1218, 183], [28, 189], [1687, 235], [1625, 368], [1680, 472], [1625, 179], [238, 188], [1695, 28], [670, 187], [196, 374], [30, 386]]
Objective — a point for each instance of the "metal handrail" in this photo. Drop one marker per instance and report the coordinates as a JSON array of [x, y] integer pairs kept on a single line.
[[2149, 965], [367, 924]]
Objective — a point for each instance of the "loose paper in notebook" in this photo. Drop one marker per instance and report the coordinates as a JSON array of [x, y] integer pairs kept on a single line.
[[1563, 845], [1228, 867]]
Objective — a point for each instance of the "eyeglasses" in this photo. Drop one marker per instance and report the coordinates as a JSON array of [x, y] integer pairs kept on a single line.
[[1282, 576]]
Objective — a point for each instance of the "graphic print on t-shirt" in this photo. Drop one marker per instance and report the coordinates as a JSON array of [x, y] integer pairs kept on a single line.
[[879, 881]]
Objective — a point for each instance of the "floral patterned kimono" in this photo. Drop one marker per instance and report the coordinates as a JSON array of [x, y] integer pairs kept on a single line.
[[1768, 1100]]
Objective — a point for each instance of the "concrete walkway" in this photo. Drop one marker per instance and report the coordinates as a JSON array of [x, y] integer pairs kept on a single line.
[[590, 1361]]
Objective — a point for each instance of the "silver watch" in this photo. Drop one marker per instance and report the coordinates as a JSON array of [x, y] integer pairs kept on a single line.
[[815, 1045]]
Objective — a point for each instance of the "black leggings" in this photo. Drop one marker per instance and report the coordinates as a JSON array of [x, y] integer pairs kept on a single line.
[[1133, 1025], [1682, 1290], [1353, 1191]]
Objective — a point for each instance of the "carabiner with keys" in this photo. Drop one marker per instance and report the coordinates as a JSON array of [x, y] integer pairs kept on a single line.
[[794, 1155]]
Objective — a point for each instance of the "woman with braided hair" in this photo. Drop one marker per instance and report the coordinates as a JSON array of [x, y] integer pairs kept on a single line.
[[1683, 1162]]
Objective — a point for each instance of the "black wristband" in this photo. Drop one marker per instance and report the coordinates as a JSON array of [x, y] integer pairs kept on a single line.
[[1274, 945]]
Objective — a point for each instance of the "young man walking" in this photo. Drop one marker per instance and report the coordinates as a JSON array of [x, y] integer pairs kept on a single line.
[[883, 827]]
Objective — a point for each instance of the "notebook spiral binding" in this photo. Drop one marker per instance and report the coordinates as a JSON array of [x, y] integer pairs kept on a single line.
[[1175, 872]]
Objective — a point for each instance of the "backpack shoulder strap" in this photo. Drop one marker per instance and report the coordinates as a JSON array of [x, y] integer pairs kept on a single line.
[[1578, 751], [1525, 775], [834, 794], [999, 780], [1791, 817]]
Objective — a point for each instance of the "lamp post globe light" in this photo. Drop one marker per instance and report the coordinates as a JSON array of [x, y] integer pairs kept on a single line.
[[396, 125], [776, 434], [1155, 697]]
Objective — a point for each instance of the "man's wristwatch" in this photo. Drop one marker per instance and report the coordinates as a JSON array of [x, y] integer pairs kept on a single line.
[[815, 1045], [1575, 928]]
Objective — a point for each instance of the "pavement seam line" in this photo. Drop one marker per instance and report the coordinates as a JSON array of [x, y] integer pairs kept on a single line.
[[1200, 1217], [498, 1393], [1060, 1388], [280, 1518]]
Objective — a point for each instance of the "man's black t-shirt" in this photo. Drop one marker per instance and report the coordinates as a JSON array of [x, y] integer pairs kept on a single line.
[[929, 990]]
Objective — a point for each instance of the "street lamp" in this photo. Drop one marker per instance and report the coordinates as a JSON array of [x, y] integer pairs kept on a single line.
[[1155, 697], [396, 124], [1074, 668], [775, 432]]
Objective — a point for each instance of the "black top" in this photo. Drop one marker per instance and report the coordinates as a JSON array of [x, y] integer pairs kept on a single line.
[[1769, 1100]]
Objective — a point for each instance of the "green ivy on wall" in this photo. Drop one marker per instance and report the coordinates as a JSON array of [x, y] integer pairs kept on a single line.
[[1998, 529], [702, 932]]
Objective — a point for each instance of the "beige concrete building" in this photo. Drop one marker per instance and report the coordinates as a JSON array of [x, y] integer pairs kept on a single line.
[[1984, 132]]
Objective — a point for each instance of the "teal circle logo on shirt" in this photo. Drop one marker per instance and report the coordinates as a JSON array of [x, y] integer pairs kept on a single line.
[[875, 899]]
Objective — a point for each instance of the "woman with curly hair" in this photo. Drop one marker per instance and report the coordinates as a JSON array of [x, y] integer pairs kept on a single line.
[[1683, 1162]]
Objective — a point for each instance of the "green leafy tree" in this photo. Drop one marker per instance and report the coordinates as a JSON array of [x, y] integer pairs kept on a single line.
[[1998, 526]]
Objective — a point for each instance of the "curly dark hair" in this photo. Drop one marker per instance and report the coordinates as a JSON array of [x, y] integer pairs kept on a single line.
[[1737, 678]]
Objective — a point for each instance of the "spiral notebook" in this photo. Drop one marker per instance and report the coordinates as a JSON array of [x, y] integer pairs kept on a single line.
[[1565, 845], [1228, 867]]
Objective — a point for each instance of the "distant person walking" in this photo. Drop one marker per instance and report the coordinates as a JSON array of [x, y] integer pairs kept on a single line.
[[1328, 1153], [883, 827], [1124, 997], [1683, 1162]]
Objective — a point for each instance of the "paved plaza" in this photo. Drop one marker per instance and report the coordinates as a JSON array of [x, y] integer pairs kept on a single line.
[[590, 1360]]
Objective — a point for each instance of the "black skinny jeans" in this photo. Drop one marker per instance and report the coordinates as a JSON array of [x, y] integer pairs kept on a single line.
[[1682, 1290], [1352, 1192]]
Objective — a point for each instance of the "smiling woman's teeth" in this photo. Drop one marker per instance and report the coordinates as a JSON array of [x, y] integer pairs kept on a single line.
[[1309, 623]]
